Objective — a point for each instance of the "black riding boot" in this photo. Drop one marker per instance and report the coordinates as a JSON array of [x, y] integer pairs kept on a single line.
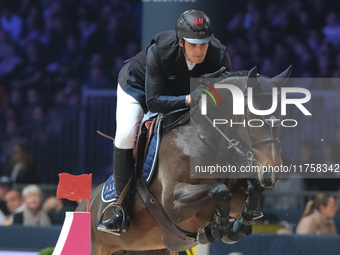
[[123, 169]]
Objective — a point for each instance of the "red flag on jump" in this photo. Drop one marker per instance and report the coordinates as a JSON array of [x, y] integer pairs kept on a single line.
[[73, 187]]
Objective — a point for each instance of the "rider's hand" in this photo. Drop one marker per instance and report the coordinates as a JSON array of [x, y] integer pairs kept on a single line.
[[187, 100]]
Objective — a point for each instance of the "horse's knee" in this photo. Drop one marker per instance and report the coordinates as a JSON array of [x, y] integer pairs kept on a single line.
[[255, 187]]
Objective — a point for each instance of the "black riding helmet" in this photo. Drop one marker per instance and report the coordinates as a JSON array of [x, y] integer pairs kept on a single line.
[[194, 27]]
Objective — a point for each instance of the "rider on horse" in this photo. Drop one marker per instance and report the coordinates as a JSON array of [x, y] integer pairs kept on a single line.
[[158, 79]]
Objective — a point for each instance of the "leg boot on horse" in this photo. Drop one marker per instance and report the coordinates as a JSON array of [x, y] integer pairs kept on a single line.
[[123, 169]]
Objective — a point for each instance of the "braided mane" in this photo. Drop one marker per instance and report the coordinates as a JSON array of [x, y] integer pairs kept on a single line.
[[234, 74]]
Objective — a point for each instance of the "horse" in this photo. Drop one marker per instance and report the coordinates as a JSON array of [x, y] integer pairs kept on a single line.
[[202, 210]]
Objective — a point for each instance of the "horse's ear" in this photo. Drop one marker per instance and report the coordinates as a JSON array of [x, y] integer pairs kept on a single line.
[[281, 79], [216, 74], [253, 72], [251, 82]]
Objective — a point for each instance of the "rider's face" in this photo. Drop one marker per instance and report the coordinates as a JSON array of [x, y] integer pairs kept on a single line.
[[194, 53]]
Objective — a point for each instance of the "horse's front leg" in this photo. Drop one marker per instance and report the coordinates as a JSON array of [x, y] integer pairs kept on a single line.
[[190, 199], [243, 225]]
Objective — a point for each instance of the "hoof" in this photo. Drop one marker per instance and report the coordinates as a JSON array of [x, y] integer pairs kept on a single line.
[[204, 235]]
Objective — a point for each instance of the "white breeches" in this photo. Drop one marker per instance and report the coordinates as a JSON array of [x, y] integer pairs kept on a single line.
[[129, 114]]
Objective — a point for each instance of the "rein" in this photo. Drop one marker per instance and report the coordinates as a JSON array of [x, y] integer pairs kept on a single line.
[[248, 156], [163, 116], [233, 143]]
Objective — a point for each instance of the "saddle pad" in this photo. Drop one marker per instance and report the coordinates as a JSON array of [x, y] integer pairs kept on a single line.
[[151, 157], [108, 190]]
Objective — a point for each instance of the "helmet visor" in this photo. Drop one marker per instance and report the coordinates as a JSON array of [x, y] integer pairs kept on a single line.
[[198, 40]]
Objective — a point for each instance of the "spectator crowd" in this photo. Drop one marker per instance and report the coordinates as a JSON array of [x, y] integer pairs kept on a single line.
[[275, 34], [49, 49], [31, 206]]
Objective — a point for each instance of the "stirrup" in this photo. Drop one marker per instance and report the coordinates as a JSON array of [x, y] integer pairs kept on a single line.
[[125, 220]]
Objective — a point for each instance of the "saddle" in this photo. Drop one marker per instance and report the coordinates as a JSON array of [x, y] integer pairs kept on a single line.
[[148, 141]]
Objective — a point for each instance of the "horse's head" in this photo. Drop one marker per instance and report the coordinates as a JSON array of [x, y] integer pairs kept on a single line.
[[263, 119], [248, 122]]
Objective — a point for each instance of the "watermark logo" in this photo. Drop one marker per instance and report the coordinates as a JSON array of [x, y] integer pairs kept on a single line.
[[273, 106], [239, 98], [236, 109], [204, 97]]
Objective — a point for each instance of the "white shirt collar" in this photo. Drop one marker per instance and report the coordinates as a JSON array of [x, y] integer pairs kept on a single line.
[[190, 65]]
